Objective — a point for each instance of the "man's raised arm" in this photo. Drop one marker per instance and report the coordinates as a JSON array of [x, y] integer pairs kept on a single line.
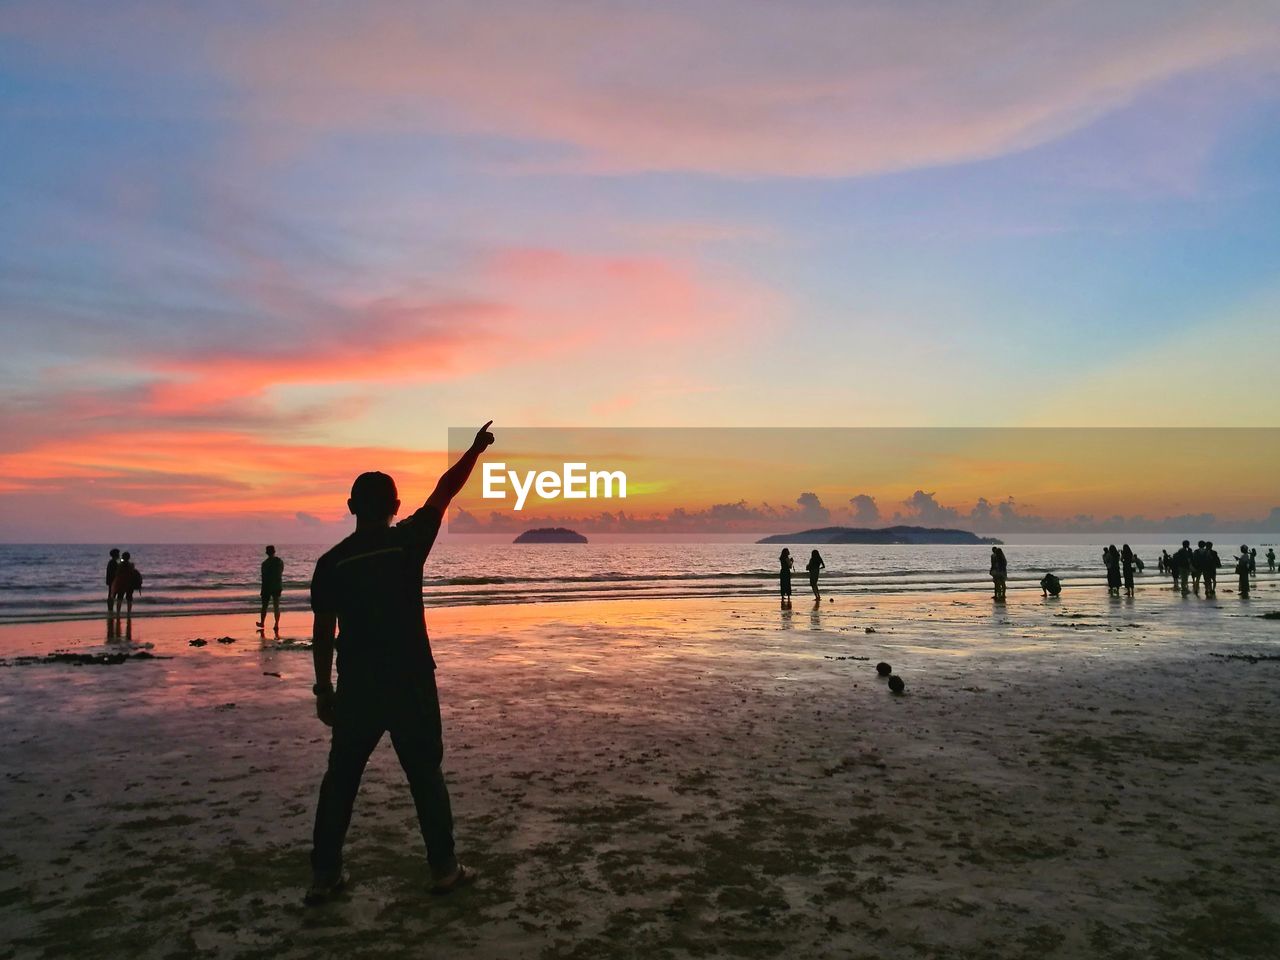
[[455, 478]]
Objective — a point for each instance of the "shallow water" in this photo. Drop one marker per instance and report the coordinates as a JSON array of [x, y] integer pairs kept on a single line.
[[65, 581]]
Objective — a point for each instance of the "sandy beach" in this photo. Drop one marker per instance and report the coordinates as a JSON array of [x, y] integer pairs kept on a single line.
[[1084, 778]]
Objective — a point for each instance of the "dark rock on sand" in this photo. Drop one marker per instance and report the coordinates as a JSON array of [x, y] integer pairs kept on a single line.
[[883, 669], [85, 659], [896, 684], [198, 642]]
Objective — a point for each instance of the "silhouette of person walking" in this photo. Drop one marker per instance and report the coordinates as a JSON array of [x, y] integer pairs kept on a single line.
[[784, 575], [126, 581], [113, 564], [813, 566], [272, 587], [366, 596], [999, 571]]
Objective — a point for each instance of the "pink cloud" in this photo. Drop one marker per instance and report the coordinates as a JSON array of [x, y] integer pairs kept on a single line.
[[536, 304], [730, 87], [734, 88]]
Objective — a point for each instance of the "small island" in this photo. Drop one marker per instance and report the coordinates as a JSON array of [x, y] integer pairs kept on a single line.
[[899, 534], [550, 535]]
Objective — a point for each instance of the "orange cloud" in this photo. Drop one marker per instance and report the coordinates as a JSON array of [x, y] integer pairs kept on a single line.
[[209, 474]]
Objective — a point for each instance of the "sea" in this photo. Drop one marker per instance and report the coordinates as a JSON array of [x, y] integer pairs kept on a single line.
[[46, 582]]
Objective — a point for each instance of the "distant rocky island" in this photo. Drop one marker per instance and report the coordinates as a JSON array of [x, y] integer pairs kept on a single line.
[[550, 535], [898, 534]]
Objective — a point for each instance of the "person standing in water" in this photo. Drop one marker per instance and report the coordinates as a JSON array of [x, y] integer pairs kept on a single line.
[[1197, 565], [369, 587], [1112, 557], [113, 564], [1182, 567], [272, 587], [127, 580], [999, 572], [784, 575], [1271, 560], [813, 566], [1211, 564], [1242, 570], [1128, 563]]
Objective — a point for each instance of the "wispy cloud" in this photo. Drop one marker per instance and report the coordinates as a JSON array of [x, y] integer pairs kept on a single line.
[[736, 88]]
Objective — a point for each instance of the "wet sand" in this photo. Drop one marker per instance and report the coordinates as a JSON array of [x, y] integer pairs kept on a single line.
[[1081, 778]]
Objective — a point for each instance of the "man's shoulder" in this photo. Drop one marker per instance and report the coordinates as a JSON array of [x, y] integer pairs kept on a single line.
[[426, 515], [343, 548]]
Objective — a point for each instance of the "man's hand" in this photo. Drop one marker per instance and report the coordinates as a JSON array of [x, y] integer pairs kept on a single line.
[[483, 438], [326, 707], [456, 476]]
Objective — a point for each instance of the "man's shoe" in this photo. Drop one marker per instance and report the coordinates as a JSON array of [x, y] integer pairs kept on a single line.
[[323, 889], [460, 877]]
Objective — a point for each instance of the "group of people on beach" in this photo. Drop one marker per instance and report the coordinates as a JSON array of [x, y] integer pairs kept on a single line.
[[123, 578], [1189, 566], [1122, 565], [367, 604], [788, 563]]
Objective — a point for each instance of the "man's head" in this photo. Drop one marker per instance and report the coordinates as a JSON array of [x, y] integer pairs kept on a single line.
[[1186, 543], [374, 498], [1201, 544], [1208, 544], [115, 551], [271, 551], [125, 555]]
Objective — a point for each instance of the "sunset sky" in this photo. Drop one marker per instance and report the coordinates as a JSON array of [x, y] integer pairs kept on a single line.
[[250, 250]]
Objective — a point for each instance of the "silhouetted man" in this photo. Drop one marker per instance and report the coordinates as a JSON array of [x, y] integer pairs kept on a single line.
[[368, 590], [1182, 566], [112, 566], [1197, 565], [1211, 564], [272, 587], [1242, 570]]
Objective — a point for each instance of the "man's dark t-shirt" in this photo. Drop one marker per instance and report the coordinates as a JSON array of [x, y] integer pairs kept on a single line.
[[372, 582], [272, 575], [112, 565]]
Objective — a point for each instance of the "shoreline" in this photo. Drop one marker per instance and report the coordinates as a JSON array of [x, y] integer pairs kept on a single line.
[[1266, 583]]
